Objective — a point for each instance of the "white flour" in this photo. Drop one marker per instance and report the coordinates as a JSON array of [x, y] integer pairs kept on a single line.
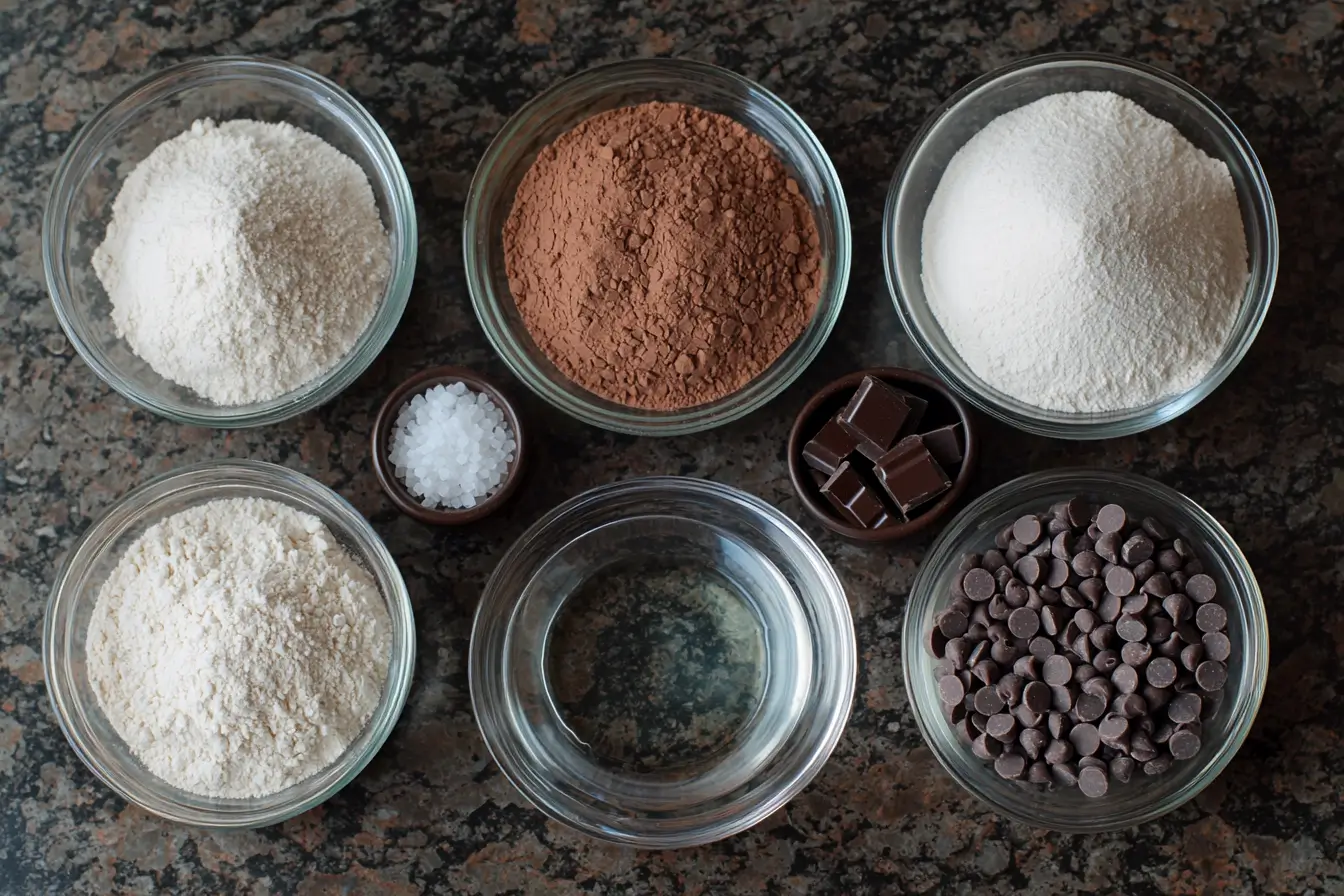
[[1081, 255], [244, 260], [237, 648]]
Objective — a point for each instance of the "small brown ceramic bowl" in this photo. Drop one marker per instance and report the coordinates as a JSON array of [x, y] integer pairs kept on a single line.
[[382, 438], [944, 408]]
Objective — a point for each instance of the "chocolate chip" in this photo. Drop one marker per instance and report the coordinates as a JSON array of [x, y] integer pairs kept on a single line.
[[1157, 765], [993, 560], [1108, 547], [1141, 747], [1191, 656], [998, 607], [1004, 574], [1099, 686], [1065, 774], [1168, 560], [1084, 672], [1156, 698], [1061, 699], [1036, 697], [1010, 688], [1158, 584], [1072, 598], [1082, 648], [1184, 745], [1061, 546], [953, 624], [1160, 629], [1217, 646], [1084, 738], [1178, 580], [1182, 547], [1120, 580], [1122, 769], [1086, 620], [1211, 675], [1178, 607], [1053, 619], [1002, 727], [1041, 647], [1137, 549], [1039, 773], [1089, 707], [1125, 678], [950, 689], [1079, 512], [1093, 782], [1193, 568], [978, 584], [1131, 706], [1131, 628], [1211, 618], [1145, 571], [1134, 605], [1026, 718], [1024, 623], [1102, 637], [1058, 670], [1087, 564], [1185, 708], [1109, 608], [1027, 530], [1161, 673], [979, 650], [1028, 667], [1105, 661], [1033, 742], [986, 671], [1058, 573], [1112, 728], [986, 748], [1030, 569], [988, 701], [1111, 518]]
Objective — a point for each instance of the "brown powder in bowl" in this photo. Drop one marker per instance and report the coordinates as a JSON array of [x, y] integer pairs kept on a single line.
[[661, 256]]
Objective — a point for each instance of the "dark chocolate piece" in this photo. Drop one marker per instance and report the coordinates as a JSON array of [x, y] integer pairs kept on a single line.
[[875, 416], [944, 443], [910, 474], [856, 502], [829, 447]]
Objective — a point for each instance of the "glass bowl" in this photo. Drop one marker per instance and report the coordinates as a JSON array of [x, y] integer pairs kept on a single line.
[[558, 110], [662, 662], [129, 129], [1144, 798], [75, 593], [965, 114]]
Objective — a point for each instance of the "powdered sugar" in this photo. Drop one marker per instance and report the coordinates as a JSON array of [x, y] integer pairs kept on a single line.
[[244, 260], [237, 648], [1081, 255]]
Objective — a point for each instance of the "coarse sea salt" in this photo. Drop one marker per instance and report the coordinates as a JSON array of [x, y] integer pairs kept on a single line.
[[451, 447]]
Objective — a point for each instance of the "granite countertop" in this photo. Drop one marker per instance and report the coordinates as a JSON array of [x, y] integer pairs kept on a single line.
[[432, 813]]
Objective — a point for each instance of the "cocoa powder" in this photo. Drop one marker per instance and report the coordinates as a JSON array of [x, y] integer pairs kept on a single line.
[[661, 256]]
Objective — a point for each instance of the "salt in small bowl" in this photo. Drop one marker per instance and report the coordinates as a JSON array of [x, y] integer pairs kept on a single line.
[[382, 440]]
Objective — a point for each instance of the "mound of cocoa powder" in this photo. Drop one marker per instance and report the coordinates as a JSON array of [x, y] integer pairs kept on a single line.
[[661, 256]]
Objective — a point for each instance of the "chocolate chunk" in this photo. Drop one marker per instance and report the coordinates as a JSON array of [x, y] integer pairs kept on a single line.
[[944, 444], [875, 416], [829, 448], [1093, 782], [910, 475], [855, 502]]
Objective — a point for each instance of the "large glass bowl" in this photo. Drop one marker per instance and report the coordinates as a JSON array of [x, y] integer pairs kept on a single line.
[[1144, 798], [964, 115], [662, 662], [558, 110], [75, 593], [125, 132]]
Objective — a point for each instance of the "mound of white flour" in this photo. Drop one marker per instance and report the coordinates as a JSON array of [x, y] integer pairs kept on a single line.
[[237, 648], [1081, 255], [244, 260]]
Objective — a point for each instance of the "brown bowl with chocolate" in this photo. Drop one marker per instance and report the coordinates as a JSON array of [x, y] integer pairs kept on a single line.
[[881, 454]]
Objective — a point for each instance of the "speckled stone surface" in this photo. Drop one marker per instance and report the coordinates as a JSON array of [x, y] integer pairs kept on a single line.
[[432, 813]]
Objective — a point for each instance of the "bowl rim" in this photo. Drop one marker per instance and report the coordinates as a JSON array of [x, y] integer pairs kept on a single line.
[[1110, 424], [841, 670], [88, 547], [344, 109], [920, 599], [382, 434], [591, 409], [893, 376]]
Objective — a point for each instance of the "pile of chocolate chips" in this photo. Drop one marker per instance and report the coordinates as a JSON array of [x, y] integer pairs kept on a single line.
[[1084, 646], [873, 464]]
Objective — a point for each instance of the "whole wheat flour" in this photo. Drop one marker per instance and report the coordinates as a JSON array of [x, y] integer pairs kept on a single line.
[[1082, 255], [244, 260], [237, 648]]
